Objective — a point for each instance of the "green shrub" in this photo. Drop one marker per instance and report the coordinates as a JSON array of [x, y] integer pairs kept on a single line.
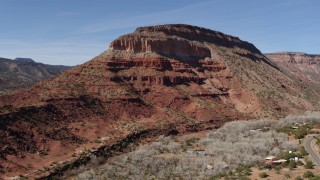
[[263, 175], [244, 171], [318, 141], [286, 130], [308, 174], [308, 165], [267, 166], [287, 175], [299, 163], [298, 178], [300, 133], [292, 164], [315, 178], [287, 156], [244, 178], [302, 151], [191, 141], [277, 169]]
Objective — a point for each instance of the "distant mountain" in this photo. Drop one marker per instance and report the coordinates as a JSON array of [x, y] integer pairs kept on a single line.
[[23, 73], [305, 67], [24, 60]]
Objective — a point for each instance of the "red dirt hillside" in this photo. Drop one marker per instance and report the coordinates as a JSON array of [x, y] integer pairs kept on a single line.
[[164, 79]]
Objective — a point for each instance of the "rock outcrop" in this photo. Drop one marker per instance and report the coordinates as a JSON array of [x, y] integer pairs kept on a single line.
[[294, 57], [168, 78]]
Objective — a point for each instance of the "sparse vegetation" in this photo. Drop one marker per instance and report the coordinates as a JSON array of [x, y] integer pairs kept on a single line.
[[308, 174], [299, 133], [287, 175], [318, 141], [303, 151], [236, 144], [228, 152], [263, 175], [308, 165]]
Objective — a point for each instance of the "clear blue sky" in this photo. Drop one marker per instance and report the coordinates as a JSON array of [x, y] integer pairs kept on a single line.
[[71, 32]]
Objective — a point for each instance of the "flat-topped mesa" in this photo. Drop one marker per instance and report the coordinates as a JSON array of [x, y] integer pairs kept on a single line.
[[294, 57], [180, 41], [168, 40]]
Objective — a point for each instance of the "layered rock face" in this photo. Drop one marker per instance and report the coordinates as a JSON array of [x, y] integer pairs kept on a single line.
[[179, 41], [169, 46], [305, 67], [294, 57], [158, 79]]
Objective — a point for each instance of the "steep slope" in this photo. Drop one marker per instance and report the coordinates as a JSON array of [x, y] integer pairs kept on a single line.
[[305, 67], [164, 79], [23, 73]]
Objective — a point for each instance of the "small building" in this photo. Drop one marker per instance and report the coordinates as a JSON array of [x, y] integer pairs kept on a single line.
[[294, 159], [270, 158], [280, 161], [200, 152]]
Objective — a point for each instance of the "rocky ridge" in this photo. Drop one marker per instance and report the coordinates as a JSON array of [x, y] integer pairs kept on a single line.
[[24, 60], [305, 67]]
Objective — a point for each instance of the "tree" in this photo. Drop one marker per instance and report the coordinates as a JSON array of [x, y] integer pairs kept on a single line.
[[308, 165], [263, 175], [303, 151], [292, 164], [308, 174], [318, 141]]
